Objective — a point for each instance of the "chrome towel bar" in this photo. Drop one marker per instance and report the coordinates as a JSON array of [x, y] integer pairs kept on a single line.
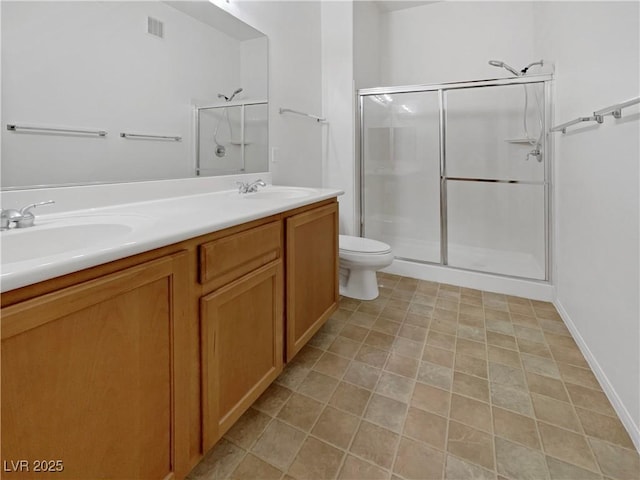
[[151, 137], [15, 128], [598, 116], [296, 112]]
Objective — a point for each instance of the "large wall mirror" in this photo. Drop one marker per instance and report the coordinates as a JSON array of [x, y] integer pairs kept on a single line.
[[101, 92]]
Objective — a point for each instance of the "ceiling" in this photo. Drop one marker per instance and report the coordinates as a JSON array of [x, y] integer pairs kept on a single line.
[[386, 6]]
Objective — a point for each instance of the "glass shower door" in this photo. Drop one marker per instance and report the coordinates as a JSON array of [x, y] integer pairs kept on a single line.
[[495, 180], [401, 173]]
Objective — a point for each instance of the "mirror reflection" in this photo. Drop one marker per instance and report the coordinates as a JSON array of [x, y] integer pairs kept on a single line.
[[98, 92]]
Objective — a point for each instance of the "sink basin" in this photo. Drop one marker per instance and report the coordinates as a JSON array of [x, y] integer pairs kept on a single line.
[[68, 235], [278, 193]]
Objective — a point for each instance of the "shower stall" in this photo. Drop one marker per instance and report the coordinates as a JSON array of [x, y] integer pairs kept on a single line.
[[458, 174]]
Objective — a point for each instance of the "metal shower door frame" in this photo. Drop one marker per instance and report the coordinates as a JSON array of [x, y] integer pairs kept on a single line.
[[545, 80]]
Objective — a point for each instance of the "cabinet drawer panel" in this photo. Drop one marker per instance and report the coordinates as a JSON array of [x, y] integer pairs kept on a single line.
[[228, 258]]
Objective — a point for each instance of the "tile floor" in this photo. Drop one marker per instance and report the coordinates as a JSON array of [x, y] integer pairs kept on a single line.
[[431, 381]]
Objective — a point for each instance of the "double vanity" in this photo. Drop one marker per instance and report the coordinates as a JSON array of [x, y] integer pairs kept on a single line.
[[135, 335]]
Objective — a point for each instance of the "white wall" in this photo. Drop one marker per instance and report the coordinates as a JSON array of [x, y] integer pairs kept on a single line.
[[92, 65], [295, 81], [596, 191]]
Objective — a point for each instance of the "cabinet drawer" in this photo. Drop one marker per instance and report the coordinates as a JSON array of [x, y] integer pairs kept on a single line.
[[228, 258]]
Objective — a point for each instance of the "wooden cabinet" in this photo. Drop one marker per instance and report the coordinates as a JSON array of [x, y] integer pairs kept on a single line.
[[89, 374], [311, 273]]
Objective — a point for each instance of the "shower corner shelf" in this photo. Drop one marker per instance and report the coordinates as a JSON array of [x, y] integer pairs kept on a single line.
[[518, 140]]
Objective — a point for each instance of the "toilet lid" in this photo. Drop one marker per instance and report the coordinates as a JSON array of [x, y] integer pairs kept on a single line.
[[362, 245]]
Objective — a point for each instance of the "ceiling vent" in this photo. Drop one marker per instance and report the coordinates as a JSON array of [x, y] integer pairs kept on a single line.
[[155, 27]]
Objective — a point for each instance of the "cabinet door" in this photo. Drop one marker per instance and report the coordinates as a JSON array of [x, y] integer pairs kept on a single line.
[[242, 330], [88, 374], [312, 273]]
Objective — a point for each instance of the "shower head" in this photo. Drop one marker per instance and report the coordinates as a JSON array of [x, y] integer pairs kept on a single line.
[[525, 69], [228, 99], [498, 63]]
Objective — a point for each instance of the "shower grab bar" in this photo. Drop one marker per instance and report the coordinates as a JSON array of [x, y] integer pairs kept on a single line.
[[14, 128], [296, 112], [598, 116], [144, 136]]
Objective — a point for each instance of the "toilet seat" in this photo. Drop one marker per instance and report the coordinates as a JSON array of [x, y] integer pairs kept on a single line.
[[362, 246]]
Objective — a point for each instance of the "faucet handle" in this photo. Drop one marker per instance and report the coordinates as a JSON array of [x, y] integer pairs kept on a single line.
[[27, 217], [242, 187]]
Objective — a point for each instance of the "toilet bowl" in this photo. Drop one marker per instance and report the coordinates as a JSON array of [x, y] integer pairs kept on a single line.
[[360, 258]]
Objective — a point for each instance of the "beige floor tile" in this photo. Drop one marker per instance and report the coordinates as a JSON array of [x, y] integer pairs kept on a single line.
[[406, 347], [417, 320], [395, 314], [571, 356], [616, 462], [531, 334], [362, 375], [491, 314], [376, 444], [424, 298], [279, 444], [372, 356], [431, 399], [521, 309], [554, 328], [395, 386], [471, 321], [560, 470], [511, 398], [371, 308], [342, 314], [501, 340], [292, 376], [504, 356], [559, 340], [425, 310], [546, 386], [471, 365], [336, 427], [548, 314], [555, 412], [516, 461], [344, 347], [515, 427], [300, 411], [272, 400], [457, 469], [477, 334], [321, 340], [470, 444], [471, 412], [379, 340], [387, 326], [604, 427], [471, 310], [398, 304], [332, 365], [333, 326], [413, 332], [471, 386], [252, 468], [350, 398], [354, 332], [506, 375], [386, 412], [438, 356], [590, 399], [418, 461], [426, 427], [362, 319], [565, 445], [441, 340], [500, 326], [306, 357], [318, 386], [447, 304], [435, 375], [539, 365], [471, 348], [533, 348], [356, 469], [219, 462], [524, 320], [349, 303], [578, 376], [316, 461], [405, 366], [443, 326], [248, 428]]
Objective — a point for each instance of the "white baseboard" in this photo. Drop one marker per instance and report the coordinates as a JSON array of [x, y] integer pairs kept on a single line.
[[610, 392]]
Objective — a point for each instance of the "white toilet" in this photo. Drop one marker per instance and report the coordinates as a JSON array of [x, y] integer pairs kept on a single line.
[[360, 258]]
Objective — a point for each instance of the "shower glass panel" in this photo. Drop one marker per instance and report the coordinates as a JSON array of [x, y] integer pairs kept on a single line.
[[400, 198], [497, 228], [495, 173], [219, 140]]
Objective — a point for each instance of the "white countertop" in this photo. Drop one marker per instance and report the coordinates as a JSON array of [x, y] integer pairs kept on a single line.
[[69, 241]]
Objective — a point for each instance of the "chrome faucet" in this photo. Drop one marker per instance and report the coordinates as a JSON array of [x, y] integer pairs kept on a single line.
[[250, 187], [22, 218]]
